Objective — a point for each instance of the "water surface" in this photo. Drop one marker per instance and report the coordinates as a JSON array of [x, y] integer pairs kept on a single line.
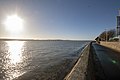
[[38, 60]]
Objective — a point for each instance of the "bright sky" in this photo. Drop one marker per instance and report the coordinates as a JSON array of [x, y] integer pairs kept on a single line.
[[60, 19]]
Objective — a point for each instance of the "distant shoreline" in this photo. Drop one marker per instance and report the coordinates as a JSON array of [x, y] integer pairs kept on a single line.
[[40, 40]]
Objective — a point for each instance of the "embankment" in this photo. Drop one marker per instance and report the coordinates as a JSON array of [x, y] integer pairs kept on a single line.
[[112, 45], [79, 71]]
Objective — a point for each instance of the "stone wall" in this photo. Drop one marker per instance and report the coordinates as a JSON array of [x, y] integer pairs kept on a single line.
[[113, 45]]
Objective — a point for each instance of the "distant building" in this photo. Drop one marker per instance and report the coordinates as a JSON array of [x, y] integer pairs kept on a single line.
[[118, 24]]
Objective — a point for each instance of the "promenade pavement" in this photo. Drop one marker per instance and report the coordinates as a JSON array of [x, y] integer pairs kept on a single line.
[[109, 60]]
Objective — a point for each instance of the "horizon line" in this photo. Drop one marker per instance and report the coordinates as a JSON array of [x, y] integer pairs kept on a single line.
[[21, 39]]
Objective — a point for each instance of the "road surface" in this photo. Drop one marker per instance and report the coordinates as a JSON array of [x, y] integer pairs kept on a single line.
[[109, 60]]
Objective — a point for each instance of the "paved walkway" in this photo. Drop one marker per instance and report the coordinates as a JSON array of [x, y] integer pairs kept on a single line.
[[109, 60]]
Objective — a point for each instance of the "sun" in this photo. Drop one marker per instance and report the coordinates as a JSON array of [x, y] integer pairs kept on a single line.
[[13, 23]]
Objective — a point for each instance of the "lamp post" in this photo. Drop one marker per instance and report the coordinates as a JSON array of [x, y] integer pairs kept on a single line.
[[106, 34]]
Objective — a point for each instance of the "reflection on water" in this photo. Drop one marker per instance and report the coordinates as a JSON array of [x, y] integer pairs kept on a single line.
[[13, 58], [15, 48], [37, 60]]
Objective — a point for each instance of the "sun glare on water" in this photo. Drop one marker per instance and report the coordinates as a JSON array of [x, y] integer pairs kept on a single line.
[[13, 24], [14, 60]]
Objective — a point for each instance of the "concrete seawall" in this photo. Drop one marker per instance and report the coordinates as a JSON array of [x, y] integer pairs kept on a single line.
[[79, 70], [112, 45], [88, 66]]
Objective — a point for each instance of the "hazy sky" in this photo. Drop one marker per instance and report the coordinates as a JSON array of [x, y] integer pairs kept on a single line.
[[61, 19]]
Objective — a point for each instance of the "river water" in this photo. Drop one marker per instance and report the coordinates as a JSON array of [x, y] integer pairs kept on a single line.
[[38, 60]]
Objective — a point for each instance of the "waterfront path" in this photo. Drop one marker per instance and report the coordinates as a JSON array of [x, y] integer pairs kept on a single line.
[[109, 60]]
